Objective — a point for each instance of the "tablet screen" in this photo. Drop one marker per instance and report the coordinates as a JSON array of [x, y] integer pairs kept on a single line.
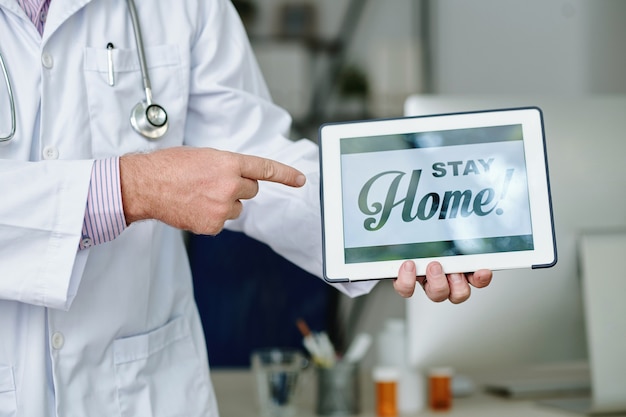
[[469, 190], [404, 196]]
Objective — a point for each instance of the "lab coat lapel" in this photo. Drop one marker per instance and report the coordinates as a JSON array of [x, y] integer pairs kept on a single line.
[[12, 6], [59, 12]]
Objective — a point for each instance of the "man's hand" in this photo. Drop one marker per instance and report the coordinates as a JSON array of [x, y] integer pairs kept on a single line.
[[437, 285], [195, 189]]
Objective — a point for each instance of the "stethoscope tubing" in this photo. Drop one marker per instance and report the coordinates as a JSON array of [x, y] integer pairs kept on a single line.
[[140, 51], [7, 81]]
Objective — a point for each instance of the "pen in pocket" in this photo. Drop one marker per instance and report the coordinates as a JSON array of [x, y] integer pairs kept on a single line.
[[111, 76]]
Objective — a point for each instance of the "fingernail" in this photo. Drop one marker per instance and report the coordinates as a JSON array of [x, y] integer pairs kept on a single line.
[[436, 269], [300, 180], [409, 267]]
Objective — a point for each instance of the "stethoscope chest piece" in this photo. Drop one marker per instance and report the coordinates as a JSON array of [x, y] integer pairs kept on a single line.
[[149, 120]]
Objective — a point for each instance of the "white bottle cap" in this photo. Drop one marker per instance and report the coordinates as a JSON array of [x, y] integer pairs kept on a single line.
[[441, 371], [385, 374]]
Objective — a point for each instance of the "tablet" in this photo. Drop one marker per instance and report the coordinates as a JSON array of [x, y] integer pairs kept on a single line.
[[470, 190]]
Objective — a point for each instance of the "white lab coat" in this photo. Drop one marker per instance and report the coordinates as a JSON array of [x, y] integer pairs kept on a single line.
[[113, 330]]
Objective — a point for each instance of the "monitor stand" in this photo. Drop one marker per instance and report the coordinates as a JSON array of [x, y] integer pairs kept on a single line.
[[601, 257]]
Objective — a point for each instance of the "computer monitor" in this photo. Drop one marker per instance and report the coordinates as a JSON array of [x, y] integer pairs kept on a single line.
[[534, 317], [604, 285]]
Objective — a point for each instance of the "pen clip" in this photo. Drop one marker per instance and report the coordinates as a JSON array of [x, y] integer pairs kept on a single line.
[[111, 76]]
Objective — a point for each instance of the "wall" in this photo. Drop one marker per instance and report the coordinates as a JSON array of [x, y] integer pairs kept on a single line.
[[496, 46], [606, 62], [566, 47]]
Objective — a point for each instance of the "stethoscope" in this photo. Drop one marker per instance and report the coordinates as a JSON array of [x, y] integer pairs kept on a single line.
[[148, 118], [5, 73]]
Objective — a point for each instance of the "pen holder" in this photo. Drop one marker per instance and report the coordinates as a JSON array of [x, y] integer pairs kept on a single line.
[[338, 390]]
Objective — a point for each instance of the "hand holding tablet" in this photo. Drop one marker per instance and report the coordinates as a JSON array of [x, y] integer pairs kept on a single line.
[[469, 190]]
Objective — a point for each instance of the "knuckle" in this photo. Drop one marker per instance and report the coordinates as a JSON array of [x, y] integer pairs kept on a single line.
[[269, 169], [437, 299], [408, 293], [460, 298], [236, 210], [216, 214], [439, 287], [405, 291], [250, 190], [210, 227], [230, 211], [438, 294], [215, 229], [229, 188]]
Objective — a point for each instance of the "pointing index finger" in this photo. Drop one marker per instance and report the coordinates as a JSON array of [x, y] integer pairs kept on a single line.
[[257, 168]]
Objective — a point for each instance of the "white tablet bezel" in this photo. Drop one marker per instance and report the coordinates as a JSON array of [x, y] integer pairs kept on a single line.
[[543, 253]]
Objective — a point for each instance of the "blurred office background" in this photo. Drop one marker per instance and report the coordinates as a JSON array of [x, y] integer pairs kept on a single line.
[[328, 60]]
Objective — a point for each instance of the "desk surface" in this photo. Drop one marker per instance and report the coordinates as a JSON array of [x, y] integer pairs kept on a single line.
[[236, 396]]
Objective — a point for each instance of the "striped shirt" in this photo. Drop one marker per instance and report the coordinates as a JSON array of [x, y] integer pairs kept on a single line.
[[37, 11], [104, 214]]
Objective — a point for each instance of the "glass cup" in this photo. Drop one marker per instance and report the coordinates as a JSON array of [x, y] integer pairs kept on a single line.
[[277, 371]]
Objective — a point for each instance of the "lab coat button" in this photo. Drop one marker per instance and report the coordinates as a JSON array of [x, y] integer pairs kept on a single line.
[[58, 340], [86, 242], [46, 60], [50, 152]]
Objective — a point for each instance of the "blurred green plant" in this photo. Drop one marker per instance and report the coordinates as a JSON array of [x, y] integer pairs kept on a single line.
[[353, 82]]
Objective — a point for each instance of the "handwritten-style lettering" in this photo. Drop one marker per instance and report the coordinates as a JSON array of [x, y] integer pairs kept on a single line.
[[449, 204]]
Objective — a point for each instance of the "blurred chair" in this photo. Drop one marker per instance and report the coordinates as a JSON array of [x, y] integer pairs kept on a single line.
[[250, 297]]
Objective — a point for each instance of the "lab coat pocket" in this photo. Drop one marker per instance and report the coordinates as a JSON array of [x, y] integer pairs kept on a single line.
[[8, 404], [114, 85], [159, 374]]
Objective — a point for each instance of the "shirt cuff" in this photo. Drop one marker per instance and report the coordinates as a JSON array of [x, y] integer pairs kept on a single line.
[[104, 214]]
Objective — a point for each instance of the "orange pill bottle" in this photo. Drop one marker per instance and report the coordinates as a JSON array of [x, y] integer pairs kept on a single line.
[[440, 389], [386, 391]]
